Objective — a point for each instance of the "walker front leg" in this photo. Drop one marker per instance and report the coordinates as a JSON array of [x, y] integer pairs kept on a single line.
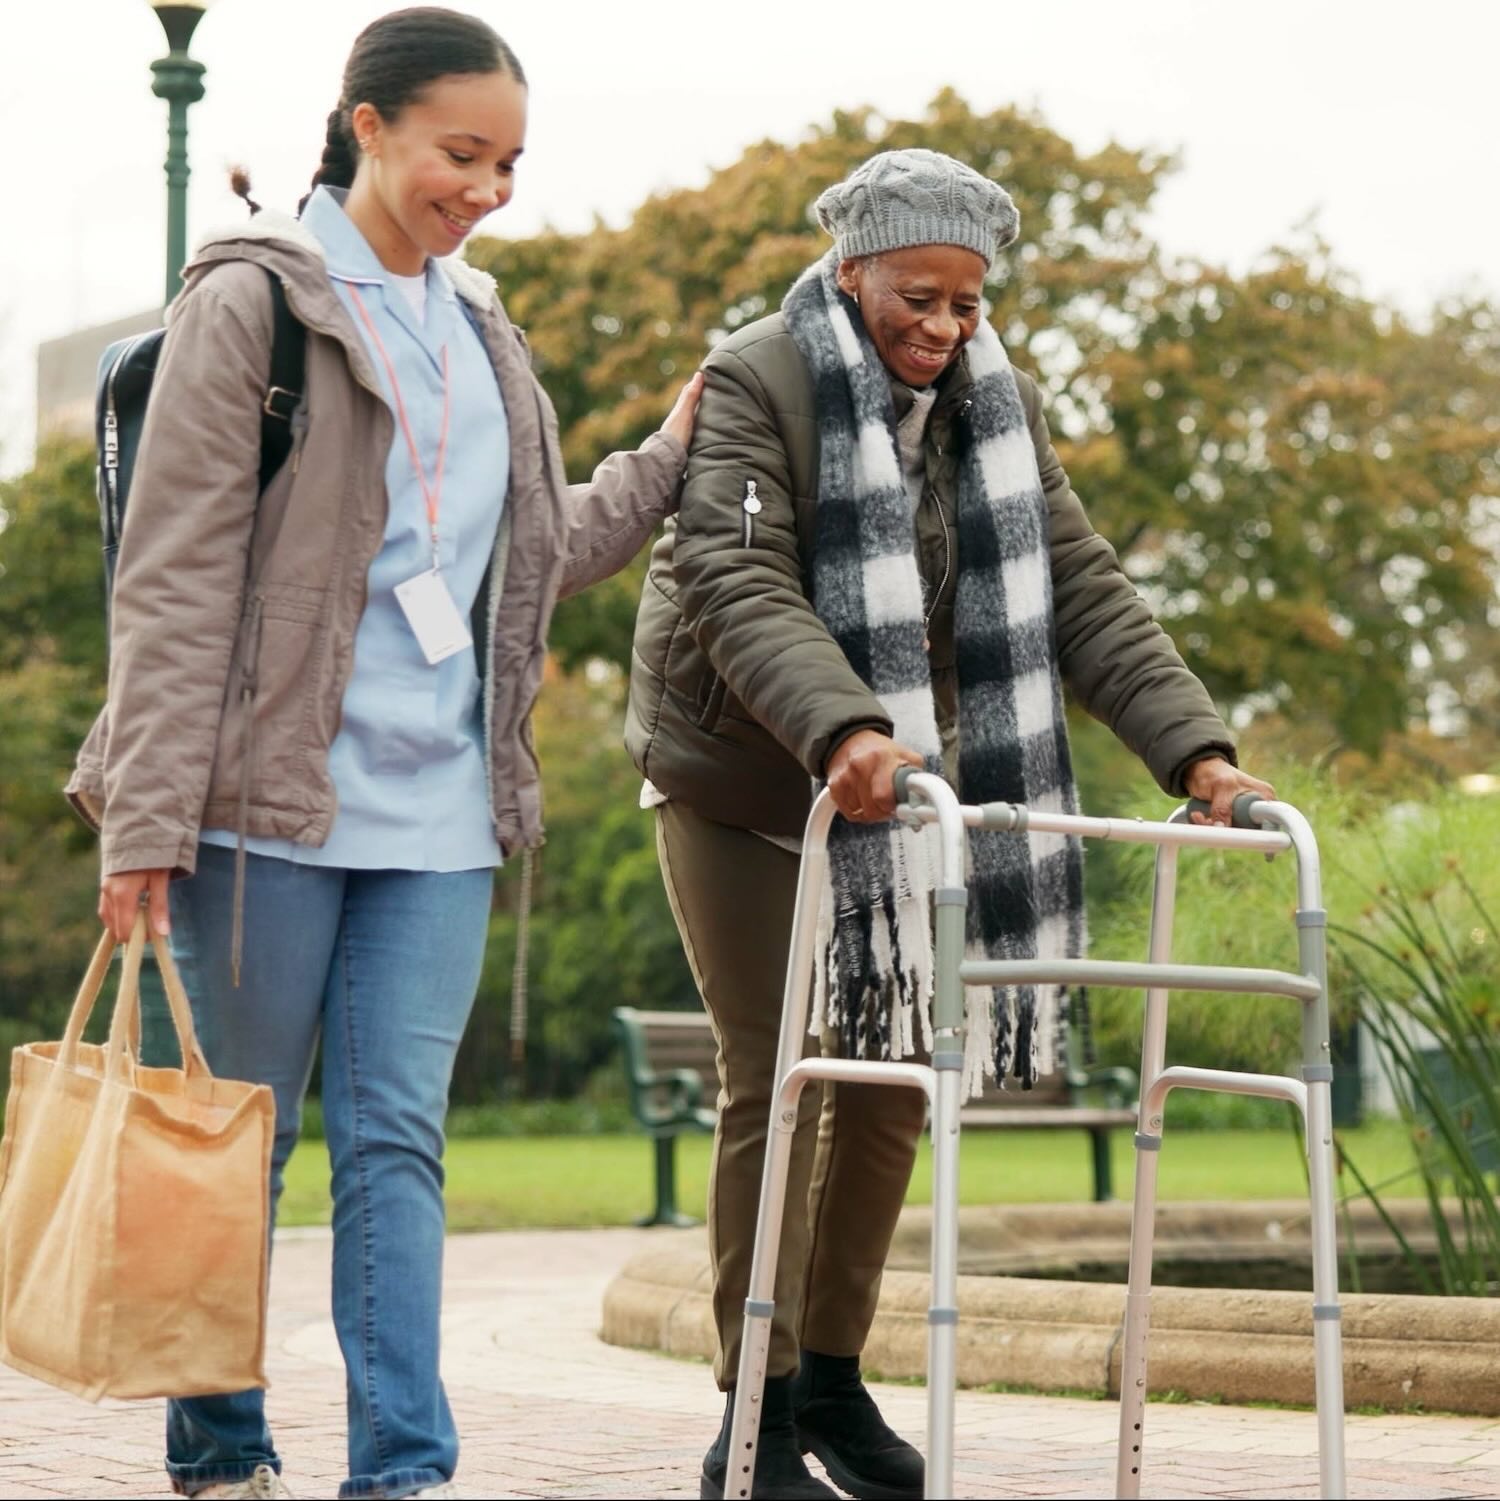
[[1137, 1330], [760, 1304], [1137, 1319], [945, 1094], [1317, 1075], [942, 1313], [1328, 1351], [1317, 1078]]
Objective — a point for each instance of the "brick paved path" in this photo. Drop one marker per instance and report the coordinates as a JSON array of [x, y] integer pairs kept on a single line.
[[545, 1409]]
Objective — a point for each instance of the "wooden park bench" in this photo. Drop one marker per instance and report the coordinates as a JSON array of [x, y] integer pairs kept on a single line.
[[670, 1073]]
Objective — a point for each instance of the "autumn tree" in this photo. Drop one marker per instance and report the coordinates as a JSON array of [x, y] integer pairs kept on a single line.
[[1305, 486], [1303, 482]]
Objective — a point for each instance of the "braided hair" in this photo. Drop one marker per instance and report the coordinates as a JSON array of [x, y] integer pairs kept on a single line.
[[239, 185], [393, 61]]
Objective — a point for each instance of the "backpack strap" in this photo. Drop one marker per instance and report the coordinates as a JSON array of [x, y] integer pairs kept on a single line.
[[284, 389]]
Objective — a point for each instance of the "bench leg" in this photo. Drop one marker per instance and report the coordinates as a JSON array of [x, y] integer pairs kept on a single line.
[[666, 1211], [1103, 1183]]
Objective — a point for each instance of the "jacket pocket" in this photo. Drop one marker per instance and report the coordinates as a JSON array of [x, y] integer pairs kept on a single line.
[[234, 754], [715, 692], [250, 656]]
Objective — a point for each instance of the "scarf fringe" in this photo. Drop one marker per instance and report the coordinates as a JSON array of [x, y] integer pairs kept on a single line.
[[992, 1018]]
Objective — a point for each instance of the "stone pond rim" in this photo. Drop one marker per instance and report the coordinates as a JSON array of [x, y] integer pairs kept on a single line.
[[1232, 1344]]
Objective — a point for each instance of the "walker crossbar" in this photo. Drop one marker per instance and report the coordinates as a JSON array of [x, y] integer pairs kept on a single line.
[[926, 799], [1139, 976], [1011, 818], [1221, 1081]]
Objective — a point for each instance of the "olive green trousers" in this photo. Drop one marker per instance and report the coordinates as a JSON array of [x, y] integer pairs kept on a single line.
[[732, 894]]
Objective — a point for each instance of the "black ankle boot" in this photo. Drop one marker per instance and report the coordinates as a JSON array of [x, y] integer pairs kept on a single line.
[[779, 1467], [837, 1420]]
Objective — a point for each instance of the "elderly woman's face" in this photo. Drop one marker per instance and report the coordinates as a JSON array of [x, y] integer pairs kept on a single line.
[[920, 305]]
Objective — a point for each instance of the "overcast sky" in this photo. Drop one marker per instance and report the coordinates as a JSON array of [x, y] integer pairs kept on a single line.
[[1380, 119]]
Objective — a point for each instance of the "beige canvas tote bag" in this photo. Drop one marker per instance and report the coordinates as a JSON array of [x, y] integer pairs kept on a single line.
[[133, 1207]]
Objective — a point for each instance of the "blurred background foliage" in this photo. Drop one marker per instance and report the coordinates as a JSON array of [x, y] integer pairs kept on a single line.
[[1303, 481]]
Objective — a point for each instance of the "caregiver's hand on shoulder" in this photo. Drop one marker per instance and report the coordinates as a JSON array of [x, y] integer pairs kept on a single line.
[[862, 775], [684, 413], [1215, 781], [120, 900]]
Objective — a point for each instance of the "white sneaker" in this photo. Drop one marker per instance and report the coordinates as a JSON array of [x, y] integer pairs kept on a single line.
[[264, 1482]]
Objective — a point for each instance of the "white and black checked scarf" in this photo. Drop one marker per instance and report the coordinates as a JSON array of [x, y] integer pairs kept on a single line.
[[1025, 892]]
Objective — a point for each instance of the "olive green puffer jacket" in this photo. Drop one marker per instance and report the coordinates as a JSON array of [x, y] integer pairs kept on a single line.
[[738, 694]]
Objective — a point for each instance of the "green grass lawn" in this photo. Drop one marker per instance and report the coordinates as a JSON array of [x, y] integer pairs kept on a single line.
[[506, 1183]]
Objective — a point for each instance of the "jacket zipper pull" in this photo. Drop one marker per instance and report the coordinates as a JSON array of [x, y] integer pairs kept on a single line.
[[751, 506], [298, 421]]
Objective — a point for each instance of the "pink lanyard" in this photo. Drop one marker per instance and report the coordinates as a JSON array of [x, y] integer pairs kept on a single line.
[[432, 494]]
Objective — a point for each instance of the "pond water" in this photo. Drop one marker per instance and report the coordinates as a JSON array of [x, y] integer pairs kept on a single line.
[[1377, 1274]]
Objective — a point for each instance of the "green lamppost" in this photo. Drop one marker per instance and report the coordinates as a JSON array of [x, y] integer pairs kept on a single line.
[[178, 79]]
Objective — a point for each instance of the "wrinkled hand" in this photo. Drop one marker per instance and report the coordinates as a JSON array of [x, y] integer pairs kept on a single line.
[[684, 413], [1215, 781], [862, 775], [120, 900]]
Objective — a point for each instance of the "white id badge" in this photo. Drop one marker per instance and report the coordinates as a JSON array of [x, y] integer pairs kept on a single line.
[[440, 630]]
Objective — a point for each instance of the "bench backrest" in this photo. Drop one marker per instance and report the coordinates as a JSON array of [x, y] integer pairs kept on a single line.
[[1050, 1089], [684, 1039], [680, 1039]]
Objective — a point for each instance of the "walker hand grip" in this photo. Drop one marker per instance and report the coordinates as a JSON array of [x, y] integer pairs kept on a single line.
[[904, 775], [1239, 817]]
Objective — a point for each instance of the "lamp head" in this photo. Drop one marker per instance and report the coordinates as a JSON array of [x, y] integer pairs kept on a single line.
[[179, 19]]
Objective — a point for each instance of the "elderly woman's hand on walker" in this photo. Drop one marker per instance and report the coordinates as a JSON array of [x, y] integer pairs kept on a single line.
[[1215, 781], [862, 775]]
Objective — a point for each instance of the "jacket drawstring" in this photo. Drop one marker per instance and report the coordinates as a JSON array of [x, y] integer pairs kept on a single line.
[[518, 995], [247, 750], [248, 684]]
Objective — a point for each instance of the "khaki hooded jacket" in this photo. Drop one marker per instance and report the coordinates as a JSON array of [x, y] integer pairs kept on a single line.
[[234, 613]]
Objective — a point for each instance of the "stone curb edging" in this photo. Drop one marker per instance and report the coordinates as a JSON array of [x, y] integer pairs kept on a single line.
[[1237, 1345]]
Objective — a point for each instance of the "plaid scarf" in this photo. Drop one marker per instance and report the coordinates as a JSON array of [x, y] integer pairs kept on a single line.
[[874, 982]]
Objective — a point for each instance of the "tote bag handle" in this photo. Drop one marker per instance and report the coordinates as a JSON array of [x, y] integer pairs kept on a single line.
[[125, 1026]]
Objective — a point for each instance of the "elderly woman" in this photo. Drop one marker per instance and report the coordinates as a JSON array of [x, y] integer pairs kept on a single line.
[[879, 561]]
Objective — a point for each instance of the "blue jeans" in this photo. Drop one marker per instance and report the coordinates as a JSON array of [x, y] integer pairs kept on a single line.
[[385, 964]]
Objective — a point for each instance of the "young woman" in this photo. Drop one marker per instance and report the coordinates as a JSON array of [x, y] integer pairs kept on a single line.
[[299, 725], [879, 562]]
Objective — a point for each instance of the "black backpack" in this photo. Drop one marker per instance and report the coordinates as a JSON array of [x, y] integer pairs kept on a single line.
[[126, 371]]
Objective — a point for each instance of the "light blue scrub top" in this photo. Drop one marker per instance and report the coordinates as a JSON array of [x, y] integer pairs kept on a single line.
[[408, 762]]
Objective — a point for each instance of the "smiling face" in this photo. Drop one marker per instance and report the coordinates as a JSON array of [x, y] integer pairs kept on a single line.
[[430, 174], [920, 305]]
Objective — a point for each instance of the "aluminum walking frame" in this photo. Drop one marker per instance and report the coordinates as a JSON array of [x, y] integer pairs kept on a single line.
[[1263, 827]]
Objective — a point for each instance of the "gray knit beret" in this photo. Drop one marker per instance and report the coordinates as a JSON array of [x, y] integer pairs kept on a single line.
[[915, 197]]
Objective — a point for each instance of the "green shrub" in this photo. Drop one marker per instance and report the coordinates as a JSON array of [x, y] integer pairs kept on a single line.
[[1232, 909], [1425, 959]]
